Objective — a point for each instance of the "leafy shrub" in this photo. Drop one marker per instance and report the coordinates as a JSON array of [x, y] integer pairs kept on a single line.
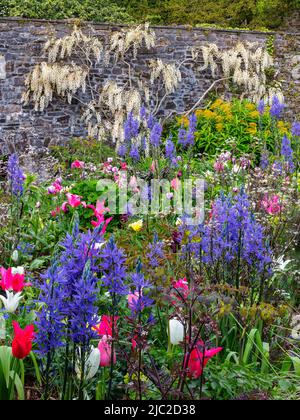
[[232, 125], [93, 10], [238, 13]]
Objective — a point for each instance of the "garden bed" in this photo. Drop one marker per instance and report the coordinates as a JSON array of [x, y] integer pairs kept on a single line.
[[165, 269]]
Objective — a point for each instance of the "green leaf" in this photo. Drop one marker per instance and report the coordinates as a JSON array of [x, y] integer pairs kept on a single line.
[[296, 364], [36, 368], [37, 263], [5, 362], [18, 384], [265, 358], [249, 346]]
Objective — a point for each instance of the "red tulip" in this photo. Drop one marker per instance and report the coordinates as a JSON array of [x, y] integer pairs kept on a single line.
[[105, 326], [22, 342], [196, 364]]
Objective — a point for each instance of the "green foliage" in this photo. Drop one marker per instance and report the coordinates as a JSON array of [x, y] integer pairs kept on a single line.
[[93, 10], [87, 150], [233, 381], [11, 377], [238, 13], [223, 13]]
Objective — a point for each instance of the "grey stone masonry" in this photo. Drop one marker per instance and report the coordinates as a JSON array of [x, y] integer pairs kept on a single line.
[[21, 43]]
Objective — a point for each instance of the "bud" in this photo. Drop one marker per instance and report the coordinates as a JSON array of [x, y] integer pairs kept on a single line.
[[15, 256]]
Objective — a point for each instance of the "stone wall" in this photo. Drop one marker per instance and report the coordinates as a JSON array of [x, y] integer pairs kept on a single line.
[[21, 42], [292, 22]]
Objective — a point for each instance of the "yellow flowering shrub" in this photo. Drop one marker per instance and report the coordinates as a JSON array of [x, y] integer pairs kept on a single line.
[[237, 121], [283, 127], [252, 128]]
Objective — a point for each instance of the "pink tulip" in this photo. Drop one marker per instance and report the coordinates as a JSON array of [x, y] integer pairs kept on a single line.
[[77, 164], [100, 220], [99, 212], [195, 363], [153, 166], [100, 208], [133, 184], [123, 166], [73, 200], [175, 184], [219, 166], [134, 343], [10, 281], [181, 292], [55, 212], [104, 347], [120, 179], [107, 167], [56, 187], [272, 205], [64, 207]]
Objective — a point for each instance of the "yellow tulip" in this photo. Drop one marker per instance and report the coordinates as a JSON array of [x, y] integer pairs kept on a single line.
[[137, 226]]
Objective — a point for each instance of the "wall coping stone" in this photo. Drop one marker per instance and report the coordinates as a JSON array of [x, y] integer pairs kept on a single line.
[[120, 25]]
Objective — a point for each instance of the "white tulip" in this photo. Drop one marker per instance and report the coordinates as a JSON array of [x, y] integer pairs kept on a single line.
[[11, 302], [91, 365], [236, 169], [18, 270], [281, 264], [176, 329]]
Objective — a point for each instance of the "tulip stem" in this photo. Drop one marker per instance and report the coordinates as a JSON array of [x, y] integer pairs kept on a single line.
[[82, 375], [202, 370], [65, 372], [46, 395], [112, 345], [12, 386]]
